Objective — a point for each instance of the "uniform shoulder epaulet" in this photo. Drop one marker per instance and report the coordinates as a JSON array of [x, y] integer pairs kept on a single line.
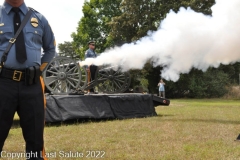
[[33, 9]]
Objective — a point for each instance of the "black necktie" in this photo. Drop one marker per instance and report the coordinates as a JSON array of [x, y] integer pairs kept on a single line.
[[20, 43]]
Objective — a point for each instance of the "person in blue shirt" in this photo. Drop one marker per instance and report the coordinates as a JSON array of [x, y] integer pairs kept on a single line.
[[21, 85], [161, 86], [90, 53]]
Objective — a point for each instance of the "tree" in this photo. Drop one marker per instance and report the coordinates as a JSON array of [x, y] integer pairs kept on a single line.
[[233, 71], [139, 17], [94, 25], [66, 49], [199, 84]]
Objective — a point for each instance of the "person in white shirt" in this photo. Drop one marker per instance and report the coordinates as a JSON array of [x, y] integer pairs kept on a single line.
[[161, 85]]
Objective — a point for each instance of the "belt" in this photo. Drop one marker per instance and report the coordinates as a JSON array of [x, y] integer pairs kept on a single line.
[[16, 75]]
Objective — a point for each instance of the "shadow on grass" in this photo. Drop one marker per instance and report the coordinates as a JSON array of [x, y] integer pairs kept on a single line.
[[76, 121], [164, 115], [16, 123], [91, 120]]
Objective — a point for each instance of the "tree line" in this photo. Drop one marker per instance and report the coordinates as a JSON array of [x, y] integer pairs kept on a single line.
[[116, 22]]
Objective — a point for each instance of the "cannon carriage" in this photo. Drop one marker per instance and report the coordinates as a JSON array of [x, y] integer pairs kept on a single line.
[[63, 76]]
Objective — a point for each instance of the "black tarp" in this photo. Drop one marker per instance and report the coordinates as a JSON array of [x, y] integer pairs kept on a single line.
[[99, 106], [132, 106]]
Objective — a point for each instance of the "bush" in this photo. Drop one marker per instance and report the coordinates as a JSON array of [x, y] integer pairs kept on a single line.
[[233, 92]]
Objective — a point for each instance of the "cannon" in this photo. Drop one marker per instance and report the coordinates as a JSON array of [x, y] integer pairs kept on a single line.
[[63, 75]]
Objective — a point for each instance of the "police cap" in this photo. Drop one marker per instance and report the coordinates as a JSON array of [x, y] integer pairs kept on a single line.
[[91, 42]]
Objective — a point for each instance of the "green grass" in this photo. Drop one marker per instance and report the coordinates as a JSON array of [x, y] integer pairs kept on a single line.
[[186, 130]]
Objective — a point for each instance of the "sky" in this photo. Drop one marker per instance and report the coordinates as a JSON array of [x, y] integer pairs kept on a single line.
[[63, 16]]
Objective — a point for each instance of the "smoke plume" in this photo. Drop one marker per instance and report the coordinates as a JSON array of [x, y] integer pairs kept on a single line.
[[184, 40]]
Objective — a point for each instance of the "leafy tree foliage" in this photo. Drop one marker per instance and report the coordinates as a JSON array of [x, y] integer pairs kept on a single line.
[[198, 84], [139, 17], [94, 25], [66, 49]]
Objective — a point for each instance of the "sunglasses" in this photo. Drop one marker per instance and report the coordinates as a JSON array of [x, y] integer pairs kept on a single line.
[[92, 44]]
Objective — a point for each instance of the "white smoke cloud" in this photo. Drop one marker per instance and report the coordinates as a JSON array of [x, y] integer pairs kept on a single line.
[[184, 40]]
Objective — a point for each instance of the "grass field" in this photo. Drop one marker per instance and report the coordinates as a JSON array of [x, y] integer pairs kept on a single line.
[[185, 130]]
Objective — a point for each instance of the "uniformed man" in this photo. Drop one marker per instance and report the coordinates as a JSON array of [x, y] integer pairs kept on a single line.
[[21, 87], [90, 53]]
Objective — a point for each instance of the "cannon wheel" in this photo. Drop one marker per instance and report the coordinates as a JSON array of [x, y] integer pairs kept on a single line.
[[112, 80], [62, 75]]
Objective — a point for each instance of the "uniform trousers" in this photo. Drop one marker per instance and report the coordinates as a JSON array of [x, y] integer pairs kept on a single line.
[[93, 70], [28, 102]]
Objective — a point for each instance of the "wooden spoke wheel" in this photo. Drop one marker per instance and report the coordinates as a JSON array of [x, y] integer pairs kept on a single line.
[[112, 80], [62, 75]]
